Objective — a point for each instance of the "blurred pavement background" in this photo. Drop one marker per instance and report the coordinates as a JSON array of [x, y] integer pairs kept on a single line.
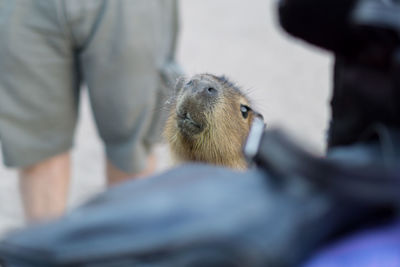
[[288, 81]]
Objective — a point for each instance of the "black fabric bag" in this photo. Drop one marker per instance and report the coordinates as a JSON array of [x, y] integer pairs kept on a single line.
[[366, 30], [364, 36], [200, 215]]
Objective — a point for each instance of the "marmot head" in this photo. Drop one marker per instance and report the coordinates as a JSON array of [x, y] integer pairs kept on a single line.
[[209, 121]]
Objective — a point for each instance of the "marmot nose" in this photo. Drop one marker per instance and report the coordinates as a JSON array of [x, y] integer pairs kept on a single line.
[[205, 90]]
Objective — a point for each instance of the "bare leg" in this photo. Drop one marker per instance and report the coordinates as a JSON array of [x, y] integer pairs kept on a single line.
[[115, 175], [44, 188]]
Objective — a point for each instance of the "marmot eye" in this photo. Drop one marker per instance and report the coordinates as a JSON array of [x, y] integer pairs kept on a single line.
[[245, 111]]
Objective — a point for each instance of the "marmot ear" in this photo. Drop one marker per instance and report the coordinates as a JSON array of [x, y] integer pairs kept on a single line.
[[179, 84]]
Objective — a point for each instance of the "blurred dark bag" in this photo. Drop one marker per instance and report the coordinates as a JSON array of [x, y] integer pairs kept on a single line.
[[197, 215], [364, 36], [367, 30]]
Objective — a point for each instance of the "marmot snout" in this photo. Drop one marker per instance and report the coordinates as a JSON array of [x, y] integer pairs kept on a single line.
[[209, 121]]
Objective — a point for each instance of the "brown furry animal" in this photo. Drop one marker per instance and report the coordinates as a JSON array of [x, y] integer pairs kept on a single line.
[[209, 120]]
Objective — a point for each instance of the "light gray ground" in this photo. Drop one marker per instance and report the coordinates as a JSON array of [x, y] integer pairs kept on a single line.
[[288, 81]]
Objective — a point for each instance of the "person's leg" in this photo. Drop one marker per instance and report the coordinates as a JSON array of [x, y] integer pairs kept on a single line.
[[115, 175], [123, 63], [44, 188], [38, 107]]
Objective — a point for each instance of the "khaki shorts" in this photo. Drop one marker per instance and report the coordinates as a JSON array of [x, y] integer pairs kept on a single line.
[[123, 50]]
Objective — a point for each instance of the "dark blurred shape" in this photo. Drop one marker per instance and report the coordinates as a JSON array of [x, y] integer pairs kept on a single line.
[[365, 37], [322, 23], [198, 215], [191, 216], [363, 98], [365, 29]]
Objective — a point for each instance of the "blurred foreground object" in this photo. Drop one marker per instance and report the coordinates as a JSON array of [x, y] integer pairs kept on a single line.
[[365, 38], [201, 215]]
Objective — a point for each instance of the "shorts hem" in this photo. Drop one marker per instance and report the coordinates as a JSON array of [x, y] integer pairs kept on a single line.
[[38, 158], [127, 158]]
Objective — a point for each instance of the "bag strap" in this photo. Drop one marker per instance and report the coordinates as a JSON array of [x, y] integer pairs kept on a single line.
[[373, 183]]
